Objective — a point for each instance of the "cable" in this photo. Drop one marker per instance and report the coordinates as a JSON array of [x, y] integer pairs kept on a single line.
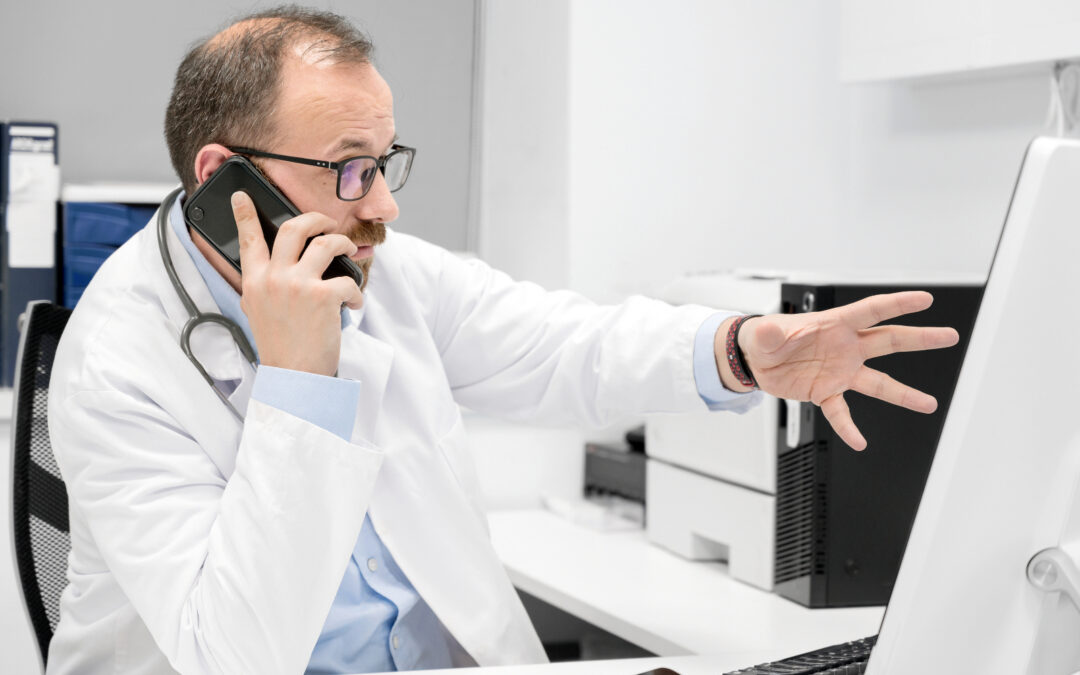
[[1063, 116]]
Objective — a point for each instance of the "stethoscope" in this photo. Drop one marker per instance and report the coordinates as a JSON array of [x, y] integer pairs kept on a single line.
[[197, 318]]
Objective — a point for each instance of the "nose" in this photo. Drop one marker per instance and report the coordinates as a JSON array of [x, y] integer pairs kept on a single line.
[[378, 204]]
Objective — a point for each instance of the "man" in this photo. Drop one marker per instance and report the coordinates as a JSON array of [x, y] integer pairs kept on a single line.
[[334, 527]]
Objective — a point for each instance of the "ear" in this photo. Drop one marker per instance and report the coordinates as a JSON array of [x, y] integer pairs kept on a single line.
[[208, 159]]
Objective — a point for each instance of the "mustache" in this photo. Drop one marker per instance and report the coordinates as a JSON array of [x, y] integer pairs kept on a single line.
[[367, 232]]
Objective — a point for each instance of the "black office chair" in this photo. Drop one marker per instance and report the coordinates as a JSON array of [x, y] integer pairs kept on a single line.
[[40, 505]]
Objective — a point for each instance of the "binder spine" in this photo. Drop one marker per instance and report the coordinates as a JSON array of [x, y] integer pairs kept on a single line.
[[20, 283]]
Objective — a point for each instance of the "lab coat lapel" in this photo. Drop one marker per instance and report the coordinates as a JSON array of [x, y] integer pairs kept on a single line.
[[431, 528], [213, 347], [366, 360], [420, 507]]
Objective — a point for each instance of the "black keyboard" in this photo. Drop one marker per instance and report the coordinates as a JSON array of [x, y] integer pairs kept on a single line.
[[848, 658]]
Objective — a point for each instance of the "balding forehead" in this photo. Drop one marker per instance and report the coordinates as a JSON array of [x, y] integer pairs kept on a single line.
[[305, 43], [243, 29]]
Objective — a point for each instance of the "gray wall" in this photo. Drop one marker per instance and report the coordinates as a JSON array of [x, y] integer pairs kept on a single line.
[[103, 71]]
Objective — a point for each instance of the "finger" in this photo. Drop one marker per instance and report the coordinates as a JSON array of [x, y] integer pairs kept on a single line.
[[346, 292], [321, 250], [836, 412], [884, 340], [877, 308], [879, 385], [253, 250], [293, 235]]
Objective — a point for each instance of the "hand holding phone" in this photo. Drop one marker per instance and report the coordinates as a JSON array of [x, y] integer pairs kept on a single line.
[[295, 271], [295, 314], [209, 211]]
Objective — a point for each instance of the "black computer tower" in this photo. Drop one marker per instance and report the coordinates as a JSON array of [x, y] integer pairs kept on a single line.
[[843, 517]]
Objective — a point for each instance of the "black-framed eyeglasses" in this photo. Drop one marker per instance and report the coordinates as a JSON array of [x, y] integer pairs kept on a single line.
[[355, 175]]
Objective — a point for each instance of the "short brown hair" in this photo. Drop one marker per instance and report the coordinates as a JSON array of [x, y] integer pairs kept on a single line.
[[227, 85]]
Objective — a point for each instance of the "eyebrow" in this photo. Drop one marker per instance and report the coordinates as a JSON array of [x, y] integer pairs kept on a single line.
[[358, 144]]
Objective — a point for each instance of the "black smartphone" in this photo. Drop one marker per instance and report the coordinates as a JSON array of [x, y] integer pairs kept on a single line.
[[209, 211]]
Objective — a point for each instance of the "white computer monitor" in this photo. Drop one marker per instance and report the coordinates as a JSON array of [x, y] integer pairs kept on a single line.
[[1004, 481]]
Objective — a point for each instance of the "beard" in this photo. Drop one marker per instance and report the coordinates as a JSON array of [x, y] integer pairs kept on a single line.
[[367, 233]]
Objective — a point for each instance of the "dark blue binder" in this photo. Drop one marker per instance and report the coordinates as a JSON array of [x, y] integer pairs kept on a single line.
[[20, 283]]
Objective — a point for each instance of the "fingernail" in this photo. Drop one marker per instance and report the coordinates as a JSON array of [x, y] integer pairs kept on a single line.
[[236, 198]]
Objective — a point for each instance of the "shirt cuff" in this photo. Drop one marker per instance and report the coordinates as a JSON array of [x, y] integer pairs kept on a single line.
[[707, 377], [326, 402]]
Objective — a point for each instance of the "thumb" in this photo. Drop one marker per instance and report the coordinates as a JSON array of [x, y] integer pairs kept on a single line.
[[766, 336]]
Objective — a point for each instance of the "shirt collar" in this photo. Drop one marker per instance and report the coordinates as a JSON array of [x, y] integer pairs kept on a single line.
[[225, 297]]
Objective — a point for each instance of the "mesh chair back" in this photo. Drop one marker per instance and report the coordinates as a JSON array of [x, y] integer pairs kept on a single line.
[[40, 508]]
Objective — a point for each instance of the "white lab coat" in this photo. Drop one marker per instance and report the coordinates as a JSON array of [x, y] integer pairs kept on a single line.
[[207, 546]]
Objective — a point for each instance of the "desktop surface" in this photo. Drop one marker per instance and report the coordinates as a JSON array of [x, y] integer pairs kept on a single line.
[[670, 606], [682, 665]]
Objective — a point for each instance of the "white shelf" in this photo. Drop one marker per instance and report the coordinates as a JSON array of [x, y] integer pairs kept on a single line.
[[885, 40], [118, 193]]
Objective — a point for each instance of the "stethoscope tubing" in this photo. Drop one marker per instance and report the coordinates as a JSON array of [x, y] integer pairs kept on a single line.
[[196, 317]]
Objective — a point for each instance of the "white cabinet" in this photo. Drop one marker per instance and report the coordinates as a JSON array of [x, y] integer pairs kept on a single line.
[[883, 39]]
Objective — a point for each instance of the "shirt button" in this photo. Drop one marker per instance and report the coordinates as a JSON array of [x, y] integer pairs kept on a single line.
[[372, 564], [395, 641]]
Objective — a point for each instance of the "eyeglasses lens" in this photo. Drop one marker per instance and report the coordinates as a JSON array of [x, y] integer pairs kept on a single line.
[[358, 174], [396, 169], [356, 178]]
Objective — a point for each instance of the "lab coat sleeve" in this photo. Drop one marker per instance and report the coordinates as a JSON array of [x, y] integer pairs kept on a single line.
[[229, 576], [513, 350]]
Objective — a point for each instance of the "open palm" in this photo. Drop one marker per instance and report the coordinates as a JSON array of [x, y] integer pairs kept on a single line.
[[819, 355]]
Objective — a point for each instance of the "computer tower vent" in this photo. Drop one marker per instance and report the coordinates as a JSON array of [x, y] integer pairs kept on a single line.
[[800, 501]]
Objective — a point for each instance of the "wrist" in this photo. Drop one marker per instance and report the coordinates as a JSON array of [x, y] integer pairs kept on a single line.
[[723, 364]]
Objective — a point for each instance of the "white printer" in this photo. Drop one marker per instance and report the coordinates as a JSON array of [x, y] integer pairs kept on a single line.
[[704, 464], [773, 491]]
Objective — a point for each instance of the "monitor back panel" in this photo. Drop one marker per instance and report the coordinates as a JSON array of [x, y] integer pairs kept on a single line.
[[1003, 483]]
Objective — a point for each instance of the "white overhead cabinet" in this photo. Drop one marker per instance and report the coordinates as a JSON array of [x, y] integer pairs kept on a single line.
[[885, 39]]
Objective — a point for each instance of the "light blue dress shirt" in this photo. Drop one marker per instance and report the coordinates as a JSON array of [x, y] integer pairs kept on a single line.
[[707, 377], [378, 622]]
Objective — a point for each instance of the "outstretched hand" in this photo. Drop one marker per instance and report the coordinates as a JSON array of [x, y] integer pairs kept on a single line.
[[818, 356]]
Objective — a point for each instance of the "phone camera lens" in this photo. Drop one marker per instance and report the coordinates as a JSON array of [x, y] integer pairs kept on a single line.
[[196, 213]]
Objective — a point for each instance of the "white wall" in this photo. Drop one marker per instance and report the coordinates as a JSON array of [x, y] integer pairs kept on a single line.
[[708, 135], [524, 121], [104, 71], [625, 143], [931, 166]]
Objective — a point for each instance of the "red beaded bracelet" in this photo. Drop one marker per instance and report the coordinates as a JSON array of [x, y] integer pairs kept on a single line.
[[735, 357]]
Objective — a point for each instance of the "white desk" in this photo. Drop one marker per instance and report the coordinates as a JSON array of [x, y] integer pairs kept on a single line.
[[657, 600], [683, 665]]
